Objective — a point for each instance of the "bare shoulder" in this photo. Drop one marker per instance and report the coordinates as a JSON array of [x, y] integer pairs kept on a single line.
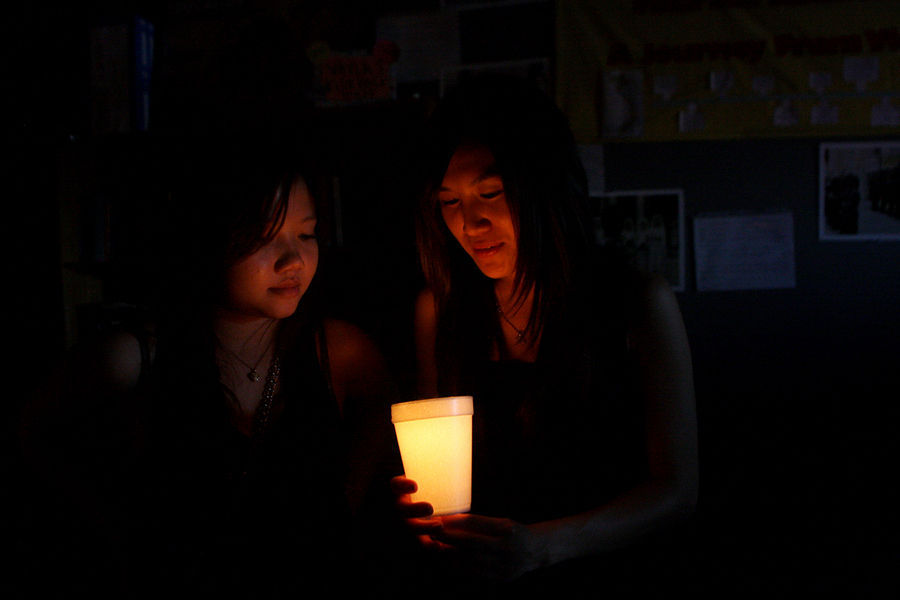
[[425, 338], [119, 361], [656, 321], [654, 298], [656, 283], [426, 311], [425, 321], [348, 344], [358, 369]]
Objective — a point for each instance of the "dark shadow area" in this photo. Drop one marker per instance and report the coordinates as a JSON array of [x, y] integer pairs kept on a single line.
[[796, 389]]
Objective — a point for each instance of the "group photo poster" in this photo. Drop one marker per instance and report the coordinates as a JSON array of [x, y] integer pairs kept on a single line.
[[859, 191], [655, 70], [647, 226]]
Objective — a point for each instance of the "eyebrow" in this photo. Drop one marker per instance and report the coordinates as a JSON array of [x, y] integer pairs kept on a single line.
[[489, 172]]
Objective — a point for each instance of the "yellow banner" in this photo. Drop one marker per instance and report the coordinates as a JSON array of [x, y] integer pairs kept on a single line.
[[713, 69]]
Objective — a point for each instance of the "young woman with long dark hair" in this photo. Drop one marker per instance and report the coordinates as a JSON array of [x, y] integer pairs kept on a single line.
[[584, 425], [241, 432]]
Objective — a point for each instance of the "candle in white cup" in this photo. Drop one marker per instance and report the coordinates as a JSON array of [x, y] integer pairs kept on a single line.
[[435, 440]]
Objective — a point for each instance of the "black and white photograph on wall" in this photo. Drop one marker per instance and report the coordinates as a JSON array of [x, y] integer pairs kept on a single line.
[[859, 191], [647, 226]]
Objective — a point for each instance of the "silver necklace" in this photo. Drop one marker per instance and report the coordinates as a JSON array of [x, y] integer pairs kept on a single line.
[[520, 333], [261, 418], [253, 375]]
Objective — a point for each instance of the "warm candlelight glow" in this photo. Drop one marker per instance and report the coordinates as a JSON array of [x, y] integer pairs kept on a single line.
[[435, 439]]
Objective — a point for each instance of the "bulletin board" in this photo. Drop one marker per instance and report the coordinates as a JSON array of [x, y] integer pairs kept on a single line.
[[655, 70]]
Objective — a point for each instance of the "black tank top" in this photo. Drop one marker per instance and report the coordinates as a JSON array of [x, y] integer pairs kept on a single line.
[[257, 517], [565, 433]]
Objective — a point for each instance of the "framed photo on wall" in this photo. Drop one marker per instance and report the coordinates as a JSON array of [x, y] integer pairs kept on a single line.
[[859, 191], [647, 226]]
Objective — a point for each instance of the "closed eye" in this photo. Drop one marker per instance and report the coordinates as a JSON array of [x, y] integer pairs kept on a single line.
[[310, 233], [449, 201], [490, 195]]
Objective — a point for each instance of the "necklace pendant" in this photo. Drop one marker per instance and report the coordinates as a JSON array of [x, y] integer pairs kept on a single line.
[[253, 376]]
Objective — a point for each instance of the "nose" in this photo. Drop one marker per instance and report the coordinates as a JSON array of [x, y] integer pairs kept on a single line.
[[474, 219], [289, 257]]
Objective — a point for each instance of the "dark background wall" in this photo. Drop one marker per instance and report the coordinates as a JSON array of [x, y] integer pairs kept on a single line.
[[797, 389]]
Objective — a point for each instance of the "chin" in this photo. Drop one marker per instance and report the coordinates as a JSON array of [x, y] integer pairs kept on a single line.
[[282, 312], [494, 272], [494, 269]]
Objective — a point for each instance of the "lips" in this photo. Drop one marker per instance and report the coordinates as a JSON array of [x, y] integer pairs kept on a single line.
[[288, 287], [485, 249]]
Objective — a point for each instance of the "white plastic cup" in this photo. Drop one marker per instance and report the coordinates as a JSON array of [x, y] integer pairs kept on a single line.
[[435, 439]]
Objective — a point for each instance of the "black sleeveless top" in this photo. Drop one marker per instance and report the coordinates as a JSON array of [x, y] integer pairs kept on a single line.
[[253, 516], [566, 433], [539, 455]]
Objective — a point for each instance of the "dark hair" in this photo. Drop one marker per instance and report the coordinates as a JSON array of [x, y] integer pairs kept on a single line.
[[544, 181], [230, 197]]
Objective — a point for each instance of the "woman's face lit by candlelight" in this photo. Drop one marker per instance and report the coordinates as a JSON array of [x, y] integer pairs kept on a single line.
[[270, 282], [474, 207]]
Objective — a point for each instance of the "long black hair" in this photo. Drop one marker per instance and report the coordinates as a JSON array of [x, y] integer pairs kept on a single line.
[[546, 188]]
